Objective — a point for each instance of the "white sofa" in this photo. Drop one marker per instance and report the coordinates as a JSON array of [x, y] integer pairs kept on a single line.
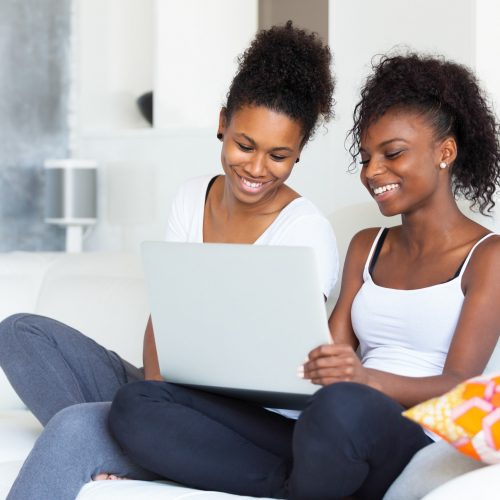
[[103, 296]]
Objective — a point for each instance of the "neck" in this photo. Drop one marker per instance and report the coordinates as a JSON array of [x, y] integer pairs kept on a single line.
[[432, 225]]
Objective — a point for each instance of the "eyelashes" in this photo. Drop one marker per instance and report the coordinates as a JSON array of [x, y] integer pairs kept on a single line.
[[389, 156], [248, 149], [244, 148]]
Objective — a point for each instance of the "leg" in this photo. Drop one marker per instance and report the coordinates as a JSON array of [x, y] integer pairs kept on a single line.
[[52, 366], [351, 440], [74, 446], [437, 463], [203, 440]]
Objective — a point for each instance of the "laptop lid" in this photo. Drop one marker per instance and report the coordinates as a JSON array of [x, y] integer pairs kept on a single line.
[[236, 319]]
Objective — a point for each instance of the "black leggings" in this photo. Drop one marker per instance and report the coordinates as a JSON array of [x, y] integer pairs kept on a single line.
[[350, 440]]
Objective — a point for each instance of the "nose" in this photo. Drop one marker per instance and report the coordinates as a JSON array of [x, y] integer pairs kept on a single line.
[[373, 168], [256, 167]]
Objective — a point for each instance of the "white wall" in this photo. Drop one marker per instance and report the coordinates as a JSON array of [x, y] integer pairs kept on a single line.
[[140, 172], [138, 176], [488, 48], [115, 64], [488, 66], [196, 50]]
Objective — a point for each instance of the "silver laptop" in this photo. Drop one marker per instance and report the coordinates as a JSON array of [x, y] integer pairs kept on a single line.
[[236, 320]]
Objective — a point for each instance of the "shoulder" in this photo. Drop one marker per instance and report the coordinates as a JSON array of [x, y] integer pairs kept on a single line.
[[193, 188], [485, 260], [362, 241], [190, 195], [302, 220], [359, 250], [302, 216], [302, 206]]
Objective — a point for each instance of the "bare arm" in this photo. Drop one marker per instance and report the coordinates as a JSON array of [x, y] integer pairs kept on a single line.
[[352, 280], [149, 354], [475, 338]]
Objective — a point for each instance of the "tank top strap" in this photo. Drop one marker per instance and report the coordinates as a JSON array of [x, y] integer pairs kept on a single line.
[[366, 270], [471, 251]]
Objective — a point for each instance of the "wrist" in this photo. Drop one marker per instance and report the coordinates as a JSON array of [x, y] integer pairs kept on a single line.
[[372, 380]]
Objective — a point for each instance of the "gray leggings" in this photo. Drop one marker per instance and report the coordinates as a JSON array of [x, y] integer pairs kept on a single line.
[[67, 380]]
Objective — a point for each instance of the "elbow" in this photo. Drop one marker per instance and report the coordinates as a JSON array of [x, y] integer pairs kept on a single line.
[[453, 377]]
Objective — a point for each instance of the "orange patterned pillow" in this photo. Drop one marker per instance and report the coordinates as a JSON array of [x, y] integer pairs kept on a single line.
[[468, 417]]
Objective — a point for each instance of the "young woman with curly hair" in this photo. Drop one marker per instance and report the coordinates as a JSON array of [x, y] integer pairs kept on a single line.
[[282, 89], [418, 301]]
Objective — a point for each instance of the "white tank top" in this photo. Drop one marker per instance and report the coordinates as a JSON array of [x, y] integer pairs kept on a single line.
[[407, 332]]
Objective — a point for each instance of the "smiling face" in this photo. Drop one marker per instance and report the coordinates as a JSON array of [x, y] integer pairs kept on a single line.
[[400, 159], [259, 151]]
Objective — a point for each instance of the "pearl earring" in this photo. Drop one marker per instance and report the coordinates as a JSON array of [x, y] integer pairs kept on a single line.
[[443, 164]]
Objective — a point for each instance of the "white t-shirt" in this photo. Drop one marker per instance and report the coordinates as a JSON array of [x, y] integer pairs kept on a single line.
[[300, 223]]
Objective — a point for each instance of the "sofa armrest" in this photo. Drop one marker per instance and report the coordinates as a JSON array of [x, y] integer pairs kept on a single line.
[[481, 483]]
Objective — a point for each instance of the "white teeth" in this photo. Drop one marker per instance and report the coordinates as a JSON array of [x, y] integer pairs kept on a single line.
[[251, 184], [383, 189]]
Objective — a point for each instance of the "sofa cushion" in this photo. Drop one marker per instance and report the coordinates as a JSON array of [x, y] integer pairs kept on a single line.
[[9, 400], [483, 483], [143, 490], [8, 474], [437, 463], [19, 430], [21, 277]]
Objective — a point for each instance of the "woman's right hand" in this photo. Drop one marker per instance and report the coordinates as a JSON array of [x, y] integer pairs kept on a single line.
[[331, 363]]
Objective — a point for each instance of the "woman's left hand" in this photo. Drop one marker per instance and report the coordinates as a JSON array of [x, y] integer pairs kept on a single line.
[[330, 363]]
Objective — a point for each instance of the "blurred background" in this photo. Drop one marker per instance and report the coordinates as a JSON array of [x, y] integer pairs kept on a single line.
[[136, 87]]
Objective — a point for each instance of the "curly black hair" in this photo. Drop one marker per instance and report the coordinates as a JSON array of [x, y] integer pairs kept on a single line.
[[449, 97], [285, 69]]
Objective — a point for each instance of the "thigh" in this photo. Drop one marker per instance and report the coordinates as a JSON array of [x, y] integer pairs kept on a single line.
[[203, 440], [52, 366], [266, 429], [356, 443]]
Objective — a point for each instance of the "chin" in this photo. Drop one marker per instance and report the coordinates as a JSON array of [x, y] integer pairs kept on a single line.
[[388, 211]]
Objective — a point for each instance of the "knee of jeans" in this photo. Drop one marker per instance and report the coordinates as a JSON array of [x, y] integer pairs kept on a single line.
[[9, 329], [342, 404], [78, 424], [127, 408]]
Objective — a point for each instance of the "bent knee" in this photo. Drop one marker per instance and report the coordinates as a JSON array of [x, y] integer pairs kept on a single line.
[[10, 328], [126, 407], [347, 404], [335, 396], [131, 404]]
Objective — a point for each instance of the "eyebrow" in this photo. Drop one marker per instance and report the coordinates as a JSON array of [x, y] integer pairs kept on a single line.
[[385, 143], [251, 141]]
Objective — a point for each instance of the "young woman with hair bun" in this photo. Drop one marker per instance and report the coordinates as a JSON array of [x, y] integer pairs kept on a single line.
[[282, 90]]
